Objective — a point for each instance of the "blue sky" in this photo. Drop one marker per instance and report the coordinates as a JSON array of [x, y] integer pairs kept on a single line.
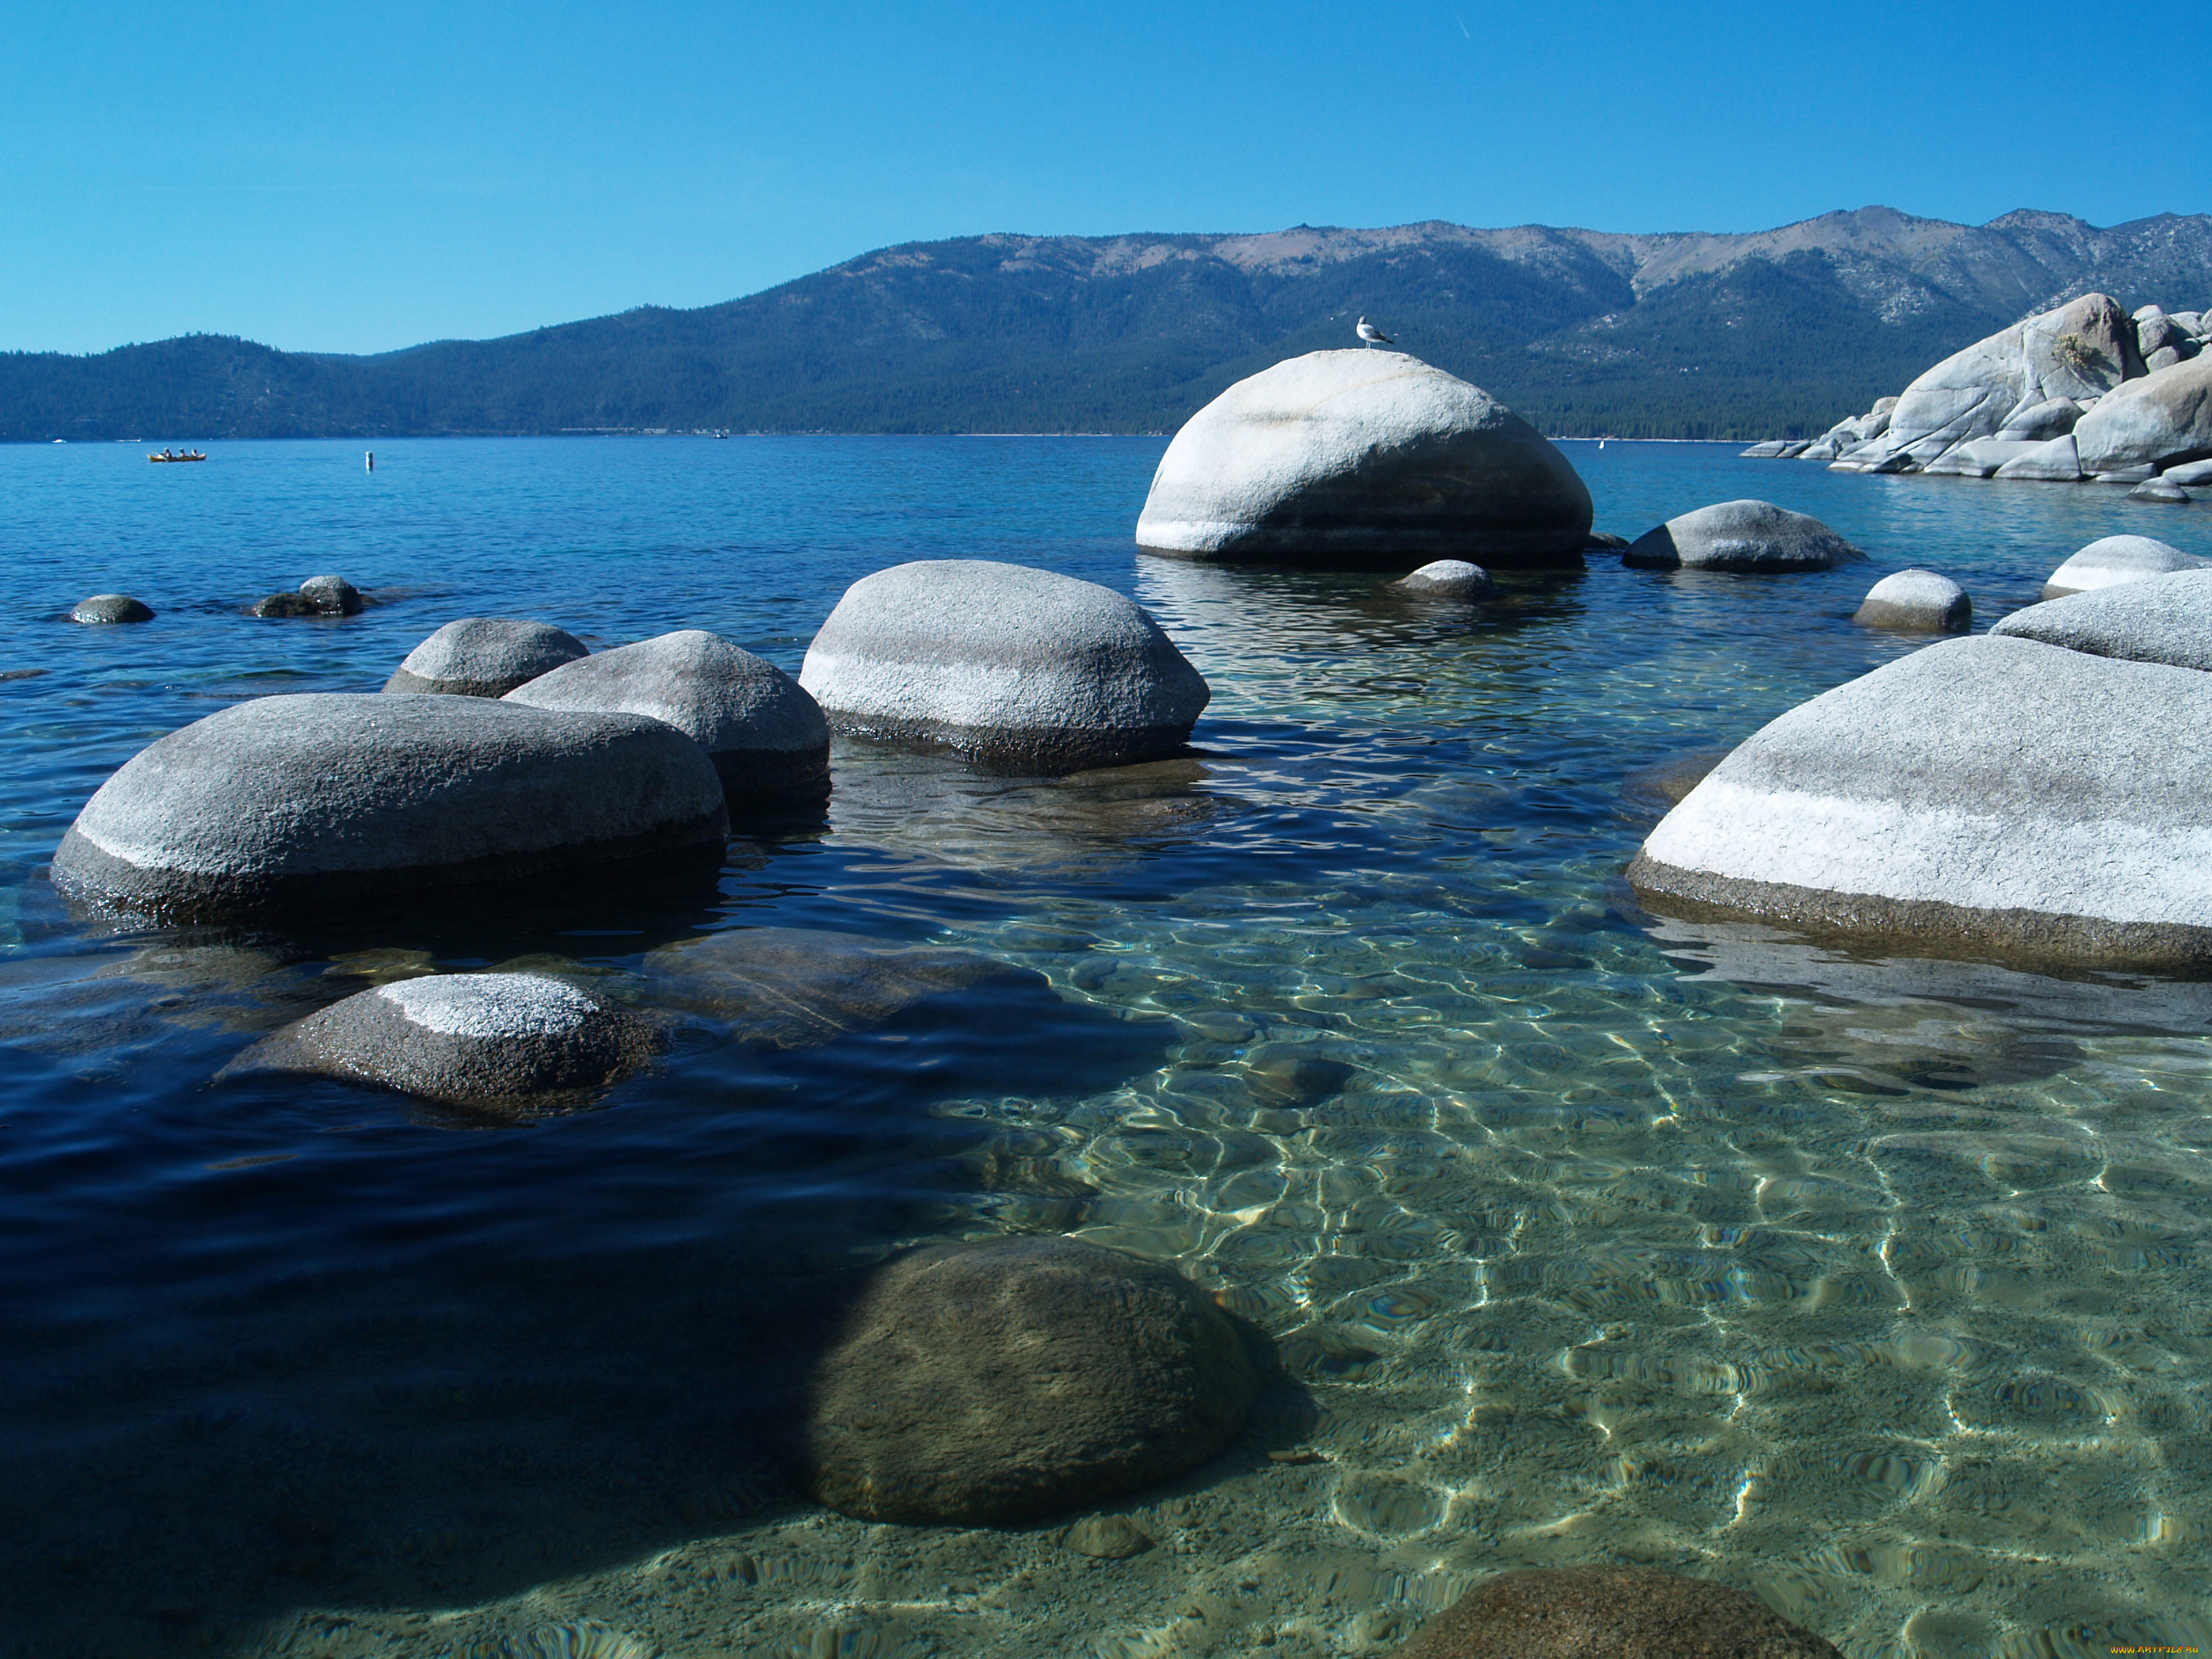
[[366, 177]]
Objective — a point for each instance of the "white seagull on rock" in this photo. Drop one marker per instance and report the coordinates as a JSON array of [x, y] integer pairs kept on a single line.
[[1373, 335]]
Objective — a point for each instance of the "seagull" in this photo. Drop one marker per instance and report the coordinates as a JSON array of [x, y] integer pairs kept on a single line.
[[1371, 334]]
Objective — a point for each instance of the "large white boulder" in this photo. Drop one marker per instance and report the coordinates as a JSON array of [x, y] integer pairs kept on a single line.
[[2082, 348], [1020, 670], [1981, 796], [295, 803], [1363, 457], [1750, 536], [2163, 418], [2118, 559]]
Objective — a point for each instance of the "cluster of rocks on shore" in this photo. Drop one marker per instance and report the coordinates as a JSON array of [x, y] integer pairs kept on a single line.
[[2084, 392]]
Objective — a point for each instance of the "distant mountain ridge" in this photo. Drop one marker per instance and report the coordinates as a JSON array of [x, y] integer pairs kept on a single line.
[[1689, 334]]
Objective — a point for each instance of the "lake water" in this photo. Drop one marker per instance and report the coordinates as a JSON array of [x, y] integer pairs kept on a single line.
[[1881, 1289]]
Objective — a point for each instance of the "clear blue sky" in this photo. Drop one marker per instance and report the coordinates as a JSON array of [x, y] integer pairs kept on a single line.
[[363, 177]]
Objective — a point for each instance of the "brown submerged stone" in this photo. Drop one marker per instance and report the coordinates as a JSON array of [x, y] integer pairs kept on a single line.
[[1611, 1613]]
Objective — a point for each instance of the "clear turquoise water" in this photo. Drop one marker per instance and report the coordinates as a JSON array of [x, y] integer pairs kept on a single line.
[[1882, 1289]]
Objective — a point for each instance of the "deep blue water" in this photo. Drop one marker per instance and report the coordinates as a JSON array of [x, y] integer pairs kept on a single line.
[[1882, 1289]]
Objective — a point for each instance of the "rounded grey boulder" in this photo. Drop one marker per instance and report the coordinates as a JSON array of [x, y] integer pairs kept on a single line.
[[2166, 619], [1611, 1613], [2119, 559], [333, 596], [2158, 490], [484, 657], [765, 735], [489, 1041], [1985, 797], [284, 604], [110, 608], [992, 1383], [293, 802], [1359, 457], [1448, 579], [1020, 670], [1916, 602], [1752, 536]]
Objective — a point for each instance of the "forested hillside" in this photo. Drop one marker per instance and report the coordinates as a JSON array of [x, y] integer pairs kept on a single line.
[[1778, 333]]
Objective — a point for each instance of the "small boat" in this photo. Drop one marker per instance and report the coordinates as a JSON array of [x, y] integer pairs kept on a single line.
[[179, 455]]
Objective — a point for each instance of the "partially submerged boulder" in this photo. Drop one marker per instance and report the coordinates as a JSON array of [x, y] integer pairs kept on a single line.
[[1610, 1612], [765, 735], [998, 1383], [1745, 535], [1448, 579], [1020, 670], [299, 802], [2163, 618], [490, 1042], [1363, 457], [103, 608], [2158, 491], [797, 988], [332, 595], [2117, 559], [1991, 796], [1918, 602], [484, 657], [2162, 418]]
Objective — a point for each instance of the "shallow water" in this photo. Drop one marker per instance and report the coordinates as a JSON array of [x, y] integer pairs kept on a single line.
[[1882, 1289]]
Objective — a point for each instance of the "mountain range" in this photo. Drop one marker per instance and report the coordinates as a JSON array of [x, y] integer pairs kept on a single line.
[[1687, 335]]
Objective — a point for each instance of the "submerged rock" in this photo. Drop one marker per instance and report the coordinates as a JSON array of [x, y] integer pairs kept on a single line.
[[484, 657], [1917, 601], [2164, 618], [997, 1384], [1020, 670], [2117, 559], [1747, 535], [1611, 1613], [301, 802], [2158, 490], [102, 608], [765, 735], [1357, 457], [1992, 796], [284, 604], [489, 1041], [1448, 579], [797, 987]]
